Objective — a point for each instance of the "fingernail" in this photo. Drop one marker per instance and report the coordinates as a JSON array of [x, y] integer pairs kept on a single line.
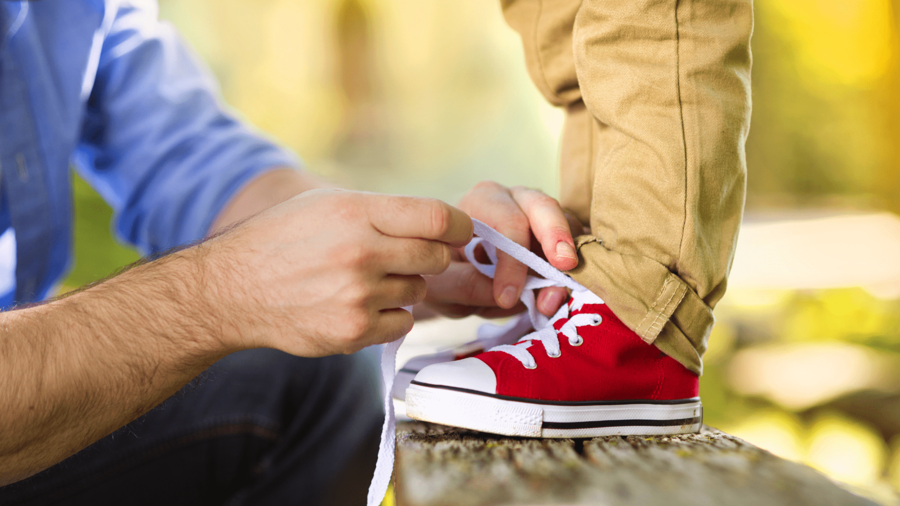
[[552, 302], [565, 250], [508, 297]]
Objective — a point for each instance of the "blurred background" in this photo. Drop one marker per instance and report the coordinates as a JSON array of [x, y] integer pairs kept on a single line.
[[428, 98]]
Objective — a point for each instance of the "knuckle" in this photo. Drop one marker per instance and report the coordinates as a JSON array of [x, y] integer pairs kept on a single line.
[[530, 195], [402, 328], [440, 218], [344, 206], [515, 224], [487, 185], [542, 199], [445, 256], [560, 230], [415, 291], [484, 195], [356, 325], [430, 257], [356, 295], [356, 255]]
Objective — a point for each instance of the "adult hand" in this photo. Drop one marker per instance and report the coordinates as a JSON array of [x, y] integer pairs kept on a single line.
[[530, 218], [328, 271]]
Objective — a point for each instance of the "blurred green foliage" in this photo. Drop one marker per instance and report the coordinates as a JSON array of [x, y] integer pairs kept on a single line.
[[97, 253]]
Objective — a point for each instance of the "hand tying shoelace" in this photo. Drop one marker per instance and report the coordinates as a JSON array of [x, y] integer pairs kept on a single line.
[[490, 240], [545, 332]]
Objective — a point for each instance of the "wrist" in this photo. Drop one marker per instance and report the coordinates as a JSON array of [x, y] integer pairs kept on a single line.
[[208, 290], [268, 189]]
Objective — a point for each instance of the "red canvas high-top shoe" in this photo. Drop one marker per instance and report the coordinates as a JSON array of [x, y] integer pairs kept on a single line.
[[585, 374]]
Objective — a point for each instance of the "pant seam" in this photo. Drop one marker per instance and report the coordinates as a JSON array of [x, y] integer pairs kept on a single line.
[[681, 123], [653, 309], [656, 327], [659, 311]]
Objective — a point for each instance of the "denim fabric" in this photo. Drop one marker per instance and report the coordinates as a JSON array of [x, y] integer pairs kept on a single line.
[[103, 86], [259, 427]]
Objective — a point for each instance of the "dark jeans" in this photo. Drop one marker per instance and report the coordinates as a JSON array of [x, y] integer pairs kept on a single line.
[[259, 427]]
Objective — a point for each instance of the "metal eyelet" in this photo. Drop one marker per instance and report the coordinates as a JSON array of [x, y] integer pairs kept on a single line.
[[557, 355], [578, 342], [533, 366]]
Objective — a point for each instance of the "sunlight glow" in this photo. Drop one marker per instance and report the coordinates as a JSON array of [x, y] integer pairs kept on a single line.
[[846, 450], [775, 431], [844, 42], [798, 376]]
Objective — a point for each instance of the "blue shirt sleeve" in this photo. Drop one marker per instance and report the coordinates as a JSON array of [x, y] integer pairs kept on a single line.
[[156, 142]]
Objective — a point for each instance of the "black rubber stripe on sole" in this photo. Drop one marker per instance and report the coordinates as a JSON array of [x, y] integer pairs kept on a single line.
[[558, 403], [622, 423], [408, 370]]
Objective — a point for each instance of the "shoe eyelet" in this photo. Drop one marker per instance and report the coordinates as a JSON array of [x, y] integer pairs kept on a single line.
[[557, 355], [533, 366], [598, 321], [576, 342]]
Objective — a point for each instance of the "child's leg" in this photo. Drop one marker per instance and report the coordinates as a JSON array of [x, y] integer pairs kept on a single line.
[[657, 95]]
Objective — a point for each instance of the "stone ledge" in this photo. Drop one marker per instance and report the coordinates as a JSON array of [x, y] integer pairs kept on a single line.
[[442, 466]]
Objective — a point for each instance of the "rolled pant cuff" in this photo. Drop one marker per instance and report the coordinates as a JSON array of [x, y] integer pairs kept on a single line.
[[650, 299]]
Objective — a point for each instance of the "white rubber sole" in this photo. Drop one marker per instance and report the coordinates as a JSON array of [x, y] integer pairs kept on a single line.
[[503, 415]]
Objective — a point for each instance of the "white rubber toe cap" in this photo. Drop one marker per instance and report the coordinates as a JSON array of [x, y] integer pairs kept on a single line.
[[422, 361], [468, 373]]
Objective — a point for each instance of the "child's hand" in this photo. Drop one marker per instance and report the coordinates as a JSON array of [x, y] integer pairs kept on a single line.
[[523, 214]]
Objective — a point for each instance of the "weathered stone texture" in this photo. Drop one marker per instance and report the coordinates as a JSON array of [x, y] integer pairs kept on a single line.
[[440, 466]]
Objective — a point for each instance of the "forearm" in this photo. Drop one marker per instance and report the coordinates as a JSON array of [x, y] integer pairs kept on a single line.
[[267, 190], [76, 369]]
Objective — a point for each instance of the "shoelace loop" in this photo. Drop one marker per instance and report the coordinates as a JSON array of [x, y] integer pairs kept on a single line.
[[549, 336]]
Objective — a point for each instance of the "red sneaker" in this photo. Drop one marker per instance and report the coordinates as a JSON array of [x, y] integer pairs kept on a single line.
[[584, 375]]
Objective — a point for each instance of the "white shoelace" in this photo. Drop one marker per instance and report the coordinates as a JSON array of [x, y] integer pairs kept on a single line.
[[491, 240], [548, 335]]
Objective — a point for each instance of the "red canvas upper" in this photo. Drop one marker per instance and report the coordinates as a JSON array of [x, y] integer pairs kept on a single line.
[[613, 363]]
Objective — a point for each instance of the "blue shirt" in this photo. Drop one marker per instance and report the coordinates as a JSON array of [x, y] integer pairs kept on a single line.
[[103, 86]]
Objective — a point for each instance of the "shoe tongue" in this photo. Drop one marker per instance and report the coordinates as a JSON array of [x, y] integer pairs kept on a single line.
[[582, 298]]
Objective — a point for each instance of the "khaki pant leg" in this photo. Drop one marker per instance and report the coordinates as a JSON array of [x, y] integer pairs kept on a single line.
[[546, 31], [653, 150]]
